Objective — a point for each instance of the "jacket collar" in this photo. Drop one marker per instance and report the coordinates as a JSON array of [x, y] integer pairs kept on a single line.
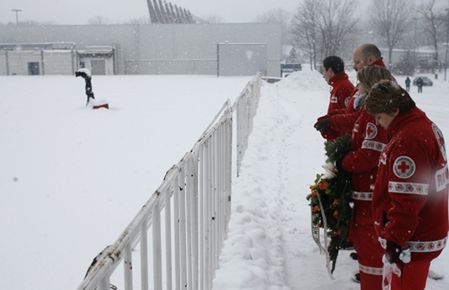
[[404, 119], [379, 62], [338, 78]]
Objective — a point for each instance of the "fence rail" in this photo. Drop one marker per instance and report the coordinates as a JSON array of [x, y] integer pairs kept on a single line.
[[180, 230]]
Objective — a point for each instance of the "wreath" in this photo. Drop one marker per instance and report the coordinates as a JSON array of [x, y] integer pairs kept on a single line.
[[330, 200]]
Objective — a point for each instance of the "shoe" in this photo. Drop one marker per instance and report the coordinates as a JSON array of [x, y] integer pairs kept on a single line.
[[356, 278], [354, 256]]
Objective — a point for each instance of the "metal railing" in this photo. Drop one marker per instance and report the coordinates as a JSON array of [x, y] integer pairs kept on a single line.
[[245, 108], [180, 230]]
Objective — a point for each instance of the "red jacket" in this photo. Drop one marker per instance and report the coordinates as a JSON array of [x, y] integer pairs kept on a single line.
[[410, 200], [342, 90], [343, 122], [368, 141]]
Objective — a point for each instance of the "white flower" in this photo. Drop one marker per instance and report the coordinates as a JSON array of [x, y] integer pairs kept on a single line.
[[329, 170]]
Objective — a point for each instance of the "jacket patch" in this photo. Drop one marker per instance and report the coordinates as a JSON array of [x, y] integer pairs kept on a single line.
[[371, 131], [404, 167], [426, 247], [440, 140], [408, 188], [442, 178], [373, 145], [365, 196], [370, 270]]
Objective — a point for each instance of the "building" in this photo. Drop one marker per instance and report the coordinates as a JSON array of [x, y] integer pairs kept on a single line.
[[224, 49]]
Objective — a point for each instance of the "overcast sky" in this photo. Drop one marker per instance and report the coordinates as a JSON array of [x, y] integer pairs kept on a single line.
[[80, 11]]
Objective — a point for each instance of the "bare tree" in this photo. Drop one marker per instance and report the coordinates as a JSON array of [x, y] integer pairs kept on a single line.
[[305, 29], [390, 18], [432, 23], [336, 20], [277, 16], [322, 26]]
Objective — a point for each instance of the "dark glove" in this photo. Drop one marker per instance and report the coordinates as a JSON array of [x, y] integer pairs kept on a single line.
[[395, 254], [339, 165], [392, 252], [323, 124]]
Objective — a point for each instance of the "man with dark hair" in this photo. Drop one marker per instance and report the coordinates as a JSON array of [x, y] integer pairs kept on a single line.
[[335, 76], [339, 124]]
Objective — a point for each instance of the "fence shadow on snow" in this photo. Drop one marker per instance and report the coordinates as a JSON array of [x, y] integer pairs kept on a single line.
[[180, 230]]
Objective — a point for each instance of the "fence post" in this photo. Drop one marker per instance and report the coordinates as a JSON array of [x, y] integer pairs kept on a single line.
[[157, 248]]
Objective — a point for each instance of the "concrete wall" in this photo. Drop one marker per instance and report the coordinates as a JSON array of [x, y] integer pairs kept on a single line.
[[3, 63], [18, 61], [108, 65], [58, 62], [153, 49], [245, 58]]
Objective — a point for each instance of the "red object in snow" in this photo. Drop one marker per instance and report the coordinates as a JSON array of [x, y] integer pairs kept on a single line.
[[104, 105]]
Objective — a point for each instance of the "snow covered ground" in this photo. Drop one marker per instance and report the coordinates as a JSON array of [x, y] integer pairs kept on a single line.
[[269, 244], [71, 179]]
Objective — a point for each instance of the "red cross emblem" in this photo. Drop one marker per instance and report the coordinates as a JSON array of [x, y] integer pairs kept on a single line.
[[404, 167], [371, 131]]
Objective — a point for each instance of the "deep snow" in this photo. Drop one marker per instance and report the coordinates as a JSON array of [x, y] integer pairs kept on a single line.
[[269, 244], [71, 179]]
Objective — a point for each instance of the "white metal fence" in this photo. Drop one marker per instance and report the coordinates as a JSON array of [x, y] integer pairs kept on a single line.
[[175, 240]]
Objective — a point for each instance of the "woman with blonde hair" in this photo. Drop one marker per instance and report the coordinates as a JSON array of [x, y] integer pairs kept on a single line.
[[368, 141]]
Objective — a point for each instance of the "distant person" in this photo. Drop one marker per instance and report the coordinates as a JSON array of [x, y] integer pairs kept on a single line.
[[407, 84], [87, 76], [419, 83]]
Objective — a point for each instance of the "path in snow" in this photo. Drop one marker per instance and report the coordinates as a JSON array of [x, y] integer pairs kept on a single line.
[[269, 244]]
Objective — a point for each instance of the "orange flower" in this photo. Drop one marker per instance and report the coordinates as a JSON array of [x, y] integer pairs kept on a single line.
[[316, 209], [323, 185]]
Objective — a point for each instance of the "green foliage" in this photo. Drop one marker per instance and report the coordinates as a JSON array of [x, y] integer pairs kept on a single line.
[[335, 196]]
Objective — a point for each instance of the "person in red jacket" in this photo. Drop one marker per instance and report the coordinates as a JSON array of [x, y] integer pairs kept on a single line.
[[342, 123], [342, 88], [410, 199], [368, 141]]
